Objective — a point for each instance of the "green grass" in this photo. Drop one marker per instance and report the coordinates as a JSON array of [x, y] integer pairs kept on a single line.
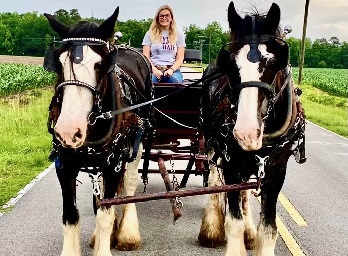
[[323, 109], [331, 118], [25, 142]]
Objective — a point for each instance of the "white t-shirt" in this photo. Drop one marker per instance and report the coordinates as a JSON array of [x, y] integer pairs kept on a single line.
[[164, 53]]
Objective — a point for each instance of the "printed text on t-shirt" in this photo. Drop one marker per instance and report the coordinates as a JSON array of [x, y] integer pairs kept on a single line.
[[166, 45]]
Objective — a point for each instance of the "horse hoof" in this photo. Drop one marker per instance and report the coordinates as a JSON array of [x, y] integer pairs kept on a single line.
[[130, 246], [212, 241], [212, 232], [249, 239], [92, 242]]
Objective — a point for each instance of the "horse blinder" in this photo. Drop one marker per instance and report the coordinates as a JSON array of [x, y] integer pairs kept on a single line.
[[111, 61], [77, 54], [51, 60]]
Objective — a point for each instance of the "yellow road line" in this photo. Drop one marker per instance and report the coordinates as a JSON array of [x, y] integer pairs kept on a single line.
[[288, 239], [288, 206]]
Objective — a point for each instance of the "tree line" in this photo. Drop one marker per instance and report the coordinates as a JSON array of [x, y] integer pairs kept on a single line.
[[30, 34]]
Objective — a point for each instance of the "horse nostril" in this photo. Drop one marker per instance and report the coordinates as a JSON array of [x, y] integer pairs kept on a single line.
[[57, 135], [78, 135]]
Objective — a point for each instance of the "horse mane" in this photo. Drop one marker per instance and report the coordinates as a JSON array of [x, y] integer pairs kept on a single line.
[[84, 29]]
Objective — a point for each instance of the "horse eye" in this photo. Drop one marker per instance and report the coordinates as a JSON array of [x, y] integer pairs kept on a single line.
[[98, 65]]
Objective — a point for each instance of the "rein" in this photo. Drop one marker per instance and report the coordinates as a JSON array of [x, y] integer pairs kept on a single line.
[[110, 114]]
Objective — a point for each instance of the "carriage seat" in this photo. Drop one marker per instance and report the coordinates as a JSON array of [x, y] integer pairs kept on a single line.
[[182, 106]]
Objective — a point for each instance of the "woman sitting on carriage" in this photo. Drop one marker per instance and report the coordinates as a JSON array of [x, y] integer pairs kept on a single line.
[[164, 46]]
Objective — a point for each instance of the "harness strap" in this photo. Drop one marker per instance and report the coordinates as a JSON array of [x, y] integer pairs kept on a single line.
[[254, 84], [173, 120], [283, 86]]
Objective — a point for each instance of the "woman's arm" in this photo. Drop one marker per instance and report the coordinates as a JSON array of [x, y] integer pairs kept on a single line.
[[146, 52], [179, 58], [155, 71], [178, 62]]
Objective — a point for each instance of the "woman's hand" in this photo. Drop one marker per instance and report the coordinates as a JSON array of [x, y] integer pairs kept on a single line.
[[158, 73], [168, 72]]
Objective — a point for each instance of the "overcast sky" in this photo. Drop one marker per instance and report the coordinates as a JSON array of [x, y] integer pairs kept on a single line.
[[326, 17]]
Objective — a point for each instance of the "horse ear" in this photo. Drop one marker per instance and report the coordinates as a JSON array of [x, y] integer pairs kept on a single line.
[[106, 29], [57, 26], [233, 17], [272, 19]]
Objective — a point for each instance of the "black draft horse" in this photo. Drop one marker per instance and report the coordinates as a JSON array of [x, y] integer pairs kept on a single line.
[[253, 122], [91, 130]]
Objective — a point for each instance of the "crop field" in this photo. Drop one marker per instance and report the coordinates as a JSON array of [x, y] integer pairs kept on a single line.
[[21, 75], [15, 78], [332, 81]]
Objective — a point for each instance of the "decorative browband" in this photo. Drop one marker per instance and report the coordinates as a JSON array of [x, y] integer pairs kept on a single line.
[[83, 39]]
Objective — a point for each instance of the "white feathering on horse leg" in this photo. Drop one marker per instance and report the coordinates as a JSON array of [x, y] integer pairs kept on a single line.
[[129, 237], [212, 232], [250, 230], [104, 223], [265, 241], [234, 231], [71, 244]]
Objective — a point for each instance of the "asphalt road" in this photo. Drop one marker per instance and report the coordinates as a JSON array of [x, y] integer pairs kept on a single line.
[[317, 189]]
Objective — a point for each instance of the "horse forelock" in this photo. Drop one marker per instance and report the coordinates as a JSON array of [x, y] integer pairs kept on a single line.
[[84, 29]]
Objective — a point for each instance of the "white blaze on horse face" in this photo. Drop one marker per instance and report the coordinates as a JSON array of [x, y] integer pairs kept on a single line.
[[71, 126], [248, 130]]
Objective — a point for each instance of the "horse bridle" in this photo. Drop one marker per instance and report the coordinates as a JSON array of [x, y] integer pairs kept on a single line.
[[254, 55], [51, 63]]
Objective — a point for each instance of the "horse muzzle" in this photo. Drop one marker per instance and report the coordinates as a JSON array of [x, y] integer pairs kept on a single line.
[[73, 138]]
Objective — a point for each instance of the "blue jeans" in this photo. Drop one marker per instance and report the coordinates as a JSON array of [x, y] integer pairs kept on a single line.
[[177, 77]]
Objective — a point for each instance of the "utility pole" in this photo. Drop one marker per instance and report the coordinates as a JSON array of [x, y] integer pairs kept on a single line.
[[303, 45], [201, 41], [209, 46]]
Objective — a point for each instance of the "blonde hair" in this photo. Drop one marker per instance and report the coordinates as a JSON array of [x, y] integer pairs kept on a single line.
[[156, 30]]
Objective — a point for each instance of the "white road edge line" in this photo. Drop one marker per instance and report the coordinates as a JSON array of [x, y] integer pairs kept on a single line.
[[327, 130], [24, 190]]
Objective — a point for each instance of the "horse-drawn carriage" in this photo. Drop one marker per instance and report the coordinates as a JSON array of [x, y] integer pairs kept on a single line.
[[242, 117]]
